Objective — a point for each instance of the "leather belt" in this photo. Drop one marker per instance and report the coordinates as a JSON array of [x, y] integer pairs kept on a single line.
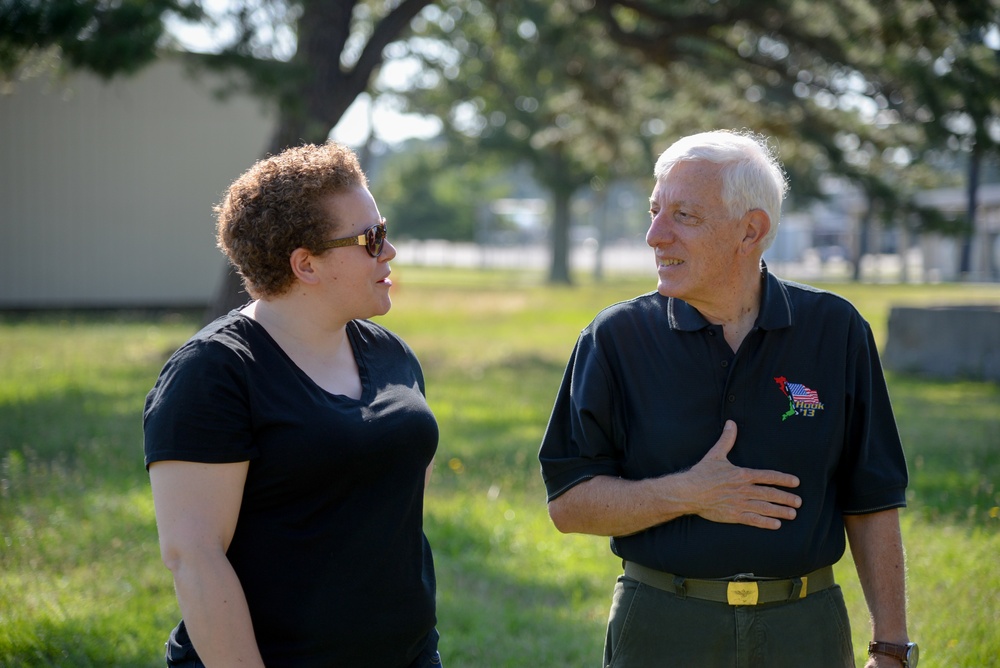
[[739, 590]]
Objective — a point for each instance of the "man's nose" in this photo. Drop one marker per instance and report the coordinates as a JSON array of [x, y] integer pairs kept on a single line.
[[659, 231]]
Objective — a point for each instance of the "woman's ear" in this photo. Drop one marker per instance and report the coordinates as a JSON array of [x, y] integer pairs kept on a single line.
[[756, 226], [301, 261]]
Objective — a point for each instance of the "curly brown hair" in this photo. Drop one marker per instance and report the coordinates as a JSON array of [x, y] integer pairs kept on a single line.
[[274, 208]]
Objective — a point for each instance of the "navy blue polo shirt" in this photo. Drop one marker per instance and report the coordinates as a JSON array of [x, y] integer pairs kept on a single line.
[[651, 383]]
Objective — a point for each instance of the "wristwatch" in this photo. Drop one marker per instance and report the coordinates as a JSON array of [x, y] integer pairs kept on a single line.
[[908, 653]]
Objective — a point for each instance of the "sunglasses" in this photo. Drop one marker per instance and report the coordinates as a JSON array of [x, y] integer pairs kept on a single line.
[[373, 239]]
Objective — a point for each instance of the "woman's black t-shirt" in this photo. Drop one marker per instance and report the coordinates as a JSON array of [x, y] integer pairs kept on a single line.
[[329, 545]]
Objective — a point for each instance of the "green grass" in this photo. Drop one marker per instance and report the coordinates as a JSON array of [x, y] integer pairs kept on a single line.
[[81, 583]]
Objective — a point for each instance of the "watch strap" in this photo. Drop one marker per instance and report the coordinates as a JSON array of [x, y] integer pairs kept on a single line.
[[888, 649]]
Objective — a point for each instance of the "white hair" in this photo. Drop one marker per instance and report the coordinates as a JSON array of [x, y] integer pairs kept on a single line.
[[752, 177]]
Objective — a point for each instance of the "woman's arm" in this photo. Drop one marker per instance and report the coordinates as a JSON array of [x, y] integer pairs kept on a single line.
[[197, 506]]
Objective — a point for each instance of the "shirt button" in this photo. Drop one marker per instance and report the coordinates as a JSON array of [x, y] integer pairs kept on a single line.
[[724, 364], [732, 398]]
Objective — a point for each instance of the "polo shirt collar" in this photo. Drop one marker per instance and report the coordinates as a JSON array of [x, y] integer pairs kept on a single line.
[[775, 307]]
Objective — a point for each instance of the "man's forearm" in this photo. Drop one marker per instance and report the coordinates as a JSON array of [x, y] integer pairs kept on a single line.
[[608, 506], [713, 489], [877, 548]]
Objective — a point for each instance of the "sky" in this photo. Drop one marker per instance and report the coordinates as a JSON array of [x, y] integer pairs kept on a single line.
[[390, 126]]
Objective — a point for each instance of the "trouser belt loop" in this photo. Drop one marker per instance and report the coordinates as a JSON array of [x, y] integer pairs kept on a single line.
[[679, 587], [796, 592]]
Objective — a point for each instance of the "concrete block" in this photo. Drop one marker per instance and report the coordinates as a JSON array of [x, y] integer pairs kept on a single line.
[[957, 341]]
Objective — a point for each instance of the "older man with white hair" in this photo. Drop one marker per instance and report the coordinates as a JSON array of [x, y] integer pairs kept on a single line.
[[728, 431]]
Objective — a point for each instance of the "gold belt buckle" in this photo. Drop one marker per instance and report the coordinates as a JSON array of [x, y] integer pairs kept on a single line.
[[742, 593]]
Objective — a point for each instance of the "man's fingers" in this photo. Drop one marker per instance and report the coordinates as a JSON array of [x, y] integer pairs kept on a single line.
[[776, 478], [760, 521], [767, 515], [720, 452], [740, 495], [725, 444]]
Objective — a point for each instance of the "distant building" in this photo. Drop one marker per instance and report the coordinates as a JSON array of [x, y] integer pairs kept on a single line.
[[985, 248], [106, 188], [829, 230]]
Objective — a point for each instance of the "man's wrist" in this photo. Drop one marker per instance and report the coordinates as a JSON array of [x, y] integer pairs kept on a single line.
[[906, 653]]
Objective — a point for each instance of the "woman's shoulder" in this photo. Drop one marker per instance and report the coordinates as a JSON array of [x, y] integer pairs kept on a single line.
[[385, 349], [227, 339], [376, 332]]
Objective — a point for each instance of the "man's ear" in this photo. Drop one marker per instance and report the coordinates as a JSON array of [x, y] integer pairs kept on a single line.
[[756, 224], [301, 262]]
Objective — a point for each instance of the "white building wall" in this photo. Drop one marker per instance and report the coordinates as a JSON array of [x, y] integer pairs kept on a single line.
[[107, 188]]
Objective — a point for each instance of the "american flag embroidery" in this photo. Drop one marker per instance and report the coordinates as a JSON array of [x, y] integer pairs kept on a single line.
[[802, 400], [802, 393]]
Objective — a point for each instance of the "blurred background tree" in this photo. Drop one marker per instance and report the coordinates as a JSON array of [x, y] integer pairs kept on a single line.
[[427, 192], [313, 58], [533, 83], [879, 88], [105, 38], [887, 97]]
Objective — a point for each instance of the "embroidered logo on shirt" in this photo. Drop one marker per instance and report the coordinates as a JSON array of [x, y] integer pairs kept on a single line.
[[801, 399]]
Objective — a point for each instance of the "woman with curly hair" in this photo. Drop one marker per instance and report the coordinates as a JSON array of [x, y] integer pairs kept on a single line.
[[289, 442]]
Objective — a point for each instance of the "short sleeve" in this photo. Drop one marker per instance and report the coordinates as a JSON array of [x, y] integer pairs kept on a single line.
[[873, 472], [199, 408], [414, 363], [579, 442]]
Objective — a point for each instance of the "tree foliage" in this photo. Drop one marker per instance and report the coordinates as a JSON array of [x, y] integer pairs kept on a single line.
[[105, 37], [427, 192], [869, 92], [337, 48], [588, 91], [532, 82], [864, 89]]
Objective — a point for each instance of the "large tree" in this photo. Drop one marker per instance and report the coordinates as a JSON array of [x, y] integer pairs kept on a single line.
[[337, 49], [912, 74], [534, 83], [948, 63], [566, 87], [107, 38]]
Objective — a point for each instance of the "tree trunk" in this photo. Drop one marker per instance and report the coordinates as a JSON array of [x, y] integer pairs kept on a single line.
[[864, 231], [904, 250], [601, 220], [559, 269], [965, 260], [323, 93], [230, 294]]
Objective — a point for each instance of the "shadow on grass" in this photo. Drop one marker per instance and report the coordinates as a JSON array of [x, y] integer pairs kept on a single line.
[[492, 622], [80, 575], [72, 439], [98, 642], [497, 606], [951, 436]]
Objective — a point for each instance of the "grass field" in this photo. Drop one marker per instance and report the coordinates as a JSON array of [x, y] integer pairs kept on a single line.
[[81, 583]]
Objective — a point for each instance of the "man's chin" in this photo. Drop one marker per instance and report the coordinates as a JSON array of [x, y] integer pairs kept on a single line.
[[668, 289]]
